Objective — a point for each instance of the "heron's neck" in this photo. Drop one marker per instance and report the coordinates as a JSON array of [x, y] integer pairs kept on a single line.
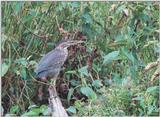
[[62, 48], [65, 49]]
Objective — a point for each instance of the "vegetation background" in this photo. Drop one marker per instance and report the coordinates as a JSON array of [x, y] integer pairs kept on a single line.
[[106, 76]]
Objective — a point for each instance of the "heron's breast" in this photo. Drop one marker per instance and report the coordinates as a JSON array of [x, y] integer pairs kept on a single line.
[[65, 54]]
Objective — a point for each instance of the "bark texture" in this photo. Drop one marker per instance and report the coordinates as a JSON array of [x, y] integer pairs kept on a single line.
[[57, 109]]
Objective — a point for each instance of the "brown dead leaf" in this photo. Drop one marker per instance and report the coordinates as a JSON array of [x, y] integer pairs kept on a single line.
[[150, 66]]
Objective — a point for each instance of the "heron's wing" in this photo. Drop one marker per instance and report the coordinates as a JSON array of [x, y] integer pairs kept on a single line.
[[53, 60]]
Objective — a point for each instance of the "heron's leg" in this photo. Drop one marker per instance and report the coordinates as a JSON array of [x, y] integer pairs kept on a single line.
[[41, 87], [40, 92], [53, 87], [53, 82]]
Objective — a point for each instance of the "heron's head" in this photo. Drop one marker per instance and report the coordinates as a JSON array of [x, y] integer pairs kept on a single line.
[[67, 43]]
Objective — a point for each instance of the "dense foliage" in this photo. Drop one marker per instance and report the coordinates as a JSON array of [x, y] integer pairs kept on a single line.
[[104, 76]]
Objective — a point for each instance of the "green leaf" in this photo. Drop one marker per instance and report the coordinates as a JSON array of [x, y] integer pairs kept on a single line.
[[32, 63], [78, 104], [5, 68], [14, 109], [149, 43], [144, 17], [22, 61], [27, 18], [46, 112], [129, 55], [71, 72], [150, 109], [87, 17], [133, 69], [120, 9], [75, 4], [34, 111], [138, 98], [18, 6], [43, 108], [30, 113], [74, 82], [110, 57], [151, 89], [96, 68], [32, 106], [71, 109], [70, 93], [84, 71], [23, 73], [33, 13], [116, 78], [97, 83], [87, 91]]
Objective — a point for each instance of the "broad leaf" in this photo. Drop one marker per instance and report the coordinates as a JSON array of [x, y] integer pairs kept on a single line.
[[18, 6], [75, 4], [14, 109], [70, 93], [23, 73], [84, 71], [71, 72], [151, 89], [87, 91], [97, 83], [71, 109], [110, 57], [5, 67], [22, 61]]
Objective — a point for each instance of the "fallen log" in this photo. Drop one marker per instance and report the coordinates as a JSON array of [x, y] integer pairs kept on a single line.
[[55, 104]]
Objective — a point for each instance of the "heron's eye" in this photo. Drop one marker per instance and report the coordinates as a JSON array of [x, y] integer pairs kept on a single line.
[[63, 45]]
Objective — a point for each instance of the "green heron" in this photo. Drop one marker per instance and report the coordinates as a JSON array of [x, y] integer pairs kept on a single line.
[[50, 64]]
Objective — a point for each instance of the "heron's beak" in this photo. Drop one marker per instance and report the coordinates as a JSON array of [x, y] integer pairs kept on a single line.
[[76, 42]]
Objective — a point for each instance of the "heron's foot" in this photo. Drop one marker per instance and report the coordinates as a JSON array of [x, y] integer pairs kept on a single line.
[[52, 91], [53, 82], [40, 92]]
